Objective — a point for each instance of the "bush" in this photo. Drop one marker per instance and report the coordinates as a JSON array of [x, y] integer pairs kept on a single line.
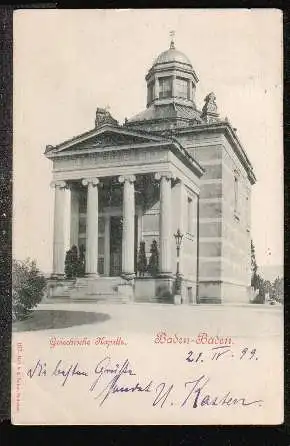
[[142, 260], [74, 263], [153, 266], [28, 286], [259, 298]]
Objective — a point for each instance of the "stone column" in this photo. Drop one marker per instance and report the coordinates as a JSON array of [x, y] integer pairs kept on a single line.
[[92, 232], [58, 230], [165, 231], [74, 215], [128, 241]]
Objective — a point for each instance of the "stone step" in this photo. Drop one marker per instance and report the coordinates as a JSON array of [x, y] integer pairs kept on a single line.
[[94, 288], [100, 285], [110, 298]]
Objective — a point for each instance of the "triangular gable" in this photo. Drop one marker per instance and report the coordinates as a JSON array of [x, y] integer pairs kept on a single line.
[[102, 137]]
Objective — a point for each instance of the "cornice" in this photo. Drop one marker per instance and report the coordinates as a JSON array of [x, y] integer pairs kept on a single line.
[[198, 169], [100, 149], [99, 131], [233, 139], [171, 66]]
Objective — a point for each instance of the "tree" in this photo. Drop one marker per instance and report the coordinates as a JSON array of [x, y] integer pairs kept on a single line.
[[142, 260], [68, 265], [72, 263], [82, 261], [278, 289], [153, 266], [260, 285], [254, 268], [28, 286]]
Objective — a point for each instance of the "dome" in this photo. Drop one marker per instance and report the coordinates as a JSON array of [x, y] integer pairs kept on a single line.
[[172, 55]]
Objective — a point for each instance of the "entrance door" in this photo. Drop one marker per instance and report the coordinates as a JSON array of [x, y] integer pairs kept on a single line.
[[116, 246]]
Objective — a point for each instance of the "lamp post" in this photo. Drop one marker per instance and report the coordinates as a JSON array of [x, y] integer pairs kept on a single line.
[[178, 239]]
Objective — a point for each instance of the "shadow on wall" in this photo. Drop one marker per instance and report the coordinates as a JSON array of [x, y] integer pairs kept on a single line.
[[52, 319]]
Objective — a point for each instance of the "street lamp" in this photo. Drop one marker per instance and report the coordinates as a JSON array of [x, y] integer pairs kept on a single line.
[[178, 239]]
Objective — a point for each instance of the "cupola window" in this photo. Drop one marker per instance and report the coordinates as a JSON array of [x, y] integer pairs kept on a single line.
[[165, 87], [182, 88]]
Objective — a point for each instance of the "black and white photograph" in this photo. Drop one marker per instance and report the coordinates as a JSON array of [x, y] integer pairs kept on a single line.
[[148, 217]]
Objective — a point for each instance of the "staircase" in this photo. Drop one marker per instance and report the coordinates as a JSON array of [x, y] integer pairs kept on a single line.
[[101, 289]]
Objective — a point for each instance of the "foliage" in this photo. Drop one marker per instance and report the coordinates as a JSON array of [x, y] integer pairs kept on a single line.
[[153, 266], [255, 281], [74, 263], [28, 286], [142, 260], [82, 261], [260, 285], [277, 291]]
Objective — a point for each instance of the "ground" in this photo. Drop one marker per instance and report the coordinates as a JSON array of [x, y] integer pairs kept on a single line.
[[252, 367], [247, 321]]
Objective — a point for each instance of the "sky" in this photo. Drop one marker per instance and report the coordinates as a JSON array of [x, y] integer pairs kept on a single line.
[[69, 62]]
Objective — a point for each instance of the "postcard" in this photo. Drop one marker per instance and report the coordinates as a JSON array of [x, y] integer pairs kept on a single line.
[[148, 217]]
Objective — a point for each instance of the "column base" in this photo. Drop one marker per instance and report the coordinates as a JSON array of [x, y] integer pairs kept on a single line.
[[92, 275], [128, 276]]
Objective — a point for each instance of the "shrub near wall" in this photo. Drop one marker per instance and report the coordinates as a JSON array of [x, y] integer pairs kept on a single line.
[[28, 286]]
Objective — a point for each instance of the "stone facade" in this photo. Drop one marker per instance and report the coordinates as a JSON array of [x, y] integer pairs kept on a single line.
[[169, 167]]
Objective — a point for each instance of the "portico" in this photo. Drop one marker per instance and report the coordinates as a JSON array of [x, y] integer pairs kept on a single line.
[[119, 195]]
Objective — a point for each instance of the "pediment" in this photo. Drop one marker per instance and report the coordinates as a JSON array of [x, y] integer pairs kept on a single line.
[[105, 137]]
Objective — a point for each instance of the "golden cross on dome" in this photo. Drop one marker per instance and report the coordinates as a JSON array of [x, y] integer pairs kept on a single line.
[[172, 35]]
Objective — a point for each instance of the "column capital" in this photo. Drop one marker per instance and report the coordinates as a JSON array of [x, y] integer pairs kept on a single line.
[[93, 181], [168, 175], [59, 184], [129, 178]]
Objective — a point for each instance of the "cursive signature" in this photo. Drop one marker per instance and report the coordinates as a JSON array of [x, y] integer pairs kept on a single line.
[[110, 377], [65, 372], [105, 368], [197, 396], [40, 369]]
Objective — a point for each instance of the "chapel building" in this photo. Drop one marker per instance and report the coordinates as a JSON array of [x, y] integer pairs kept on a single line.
[[169, 167]]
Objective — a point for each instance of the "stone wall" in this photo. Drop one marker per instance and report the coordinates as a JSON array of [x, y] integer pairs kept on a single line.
[[236, 221], [224, 231]]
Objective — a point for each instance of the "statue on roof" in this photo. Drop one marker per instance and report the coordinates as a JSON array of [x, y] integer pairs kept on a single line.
[[210, 110], [210, 103], [103, 116]]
